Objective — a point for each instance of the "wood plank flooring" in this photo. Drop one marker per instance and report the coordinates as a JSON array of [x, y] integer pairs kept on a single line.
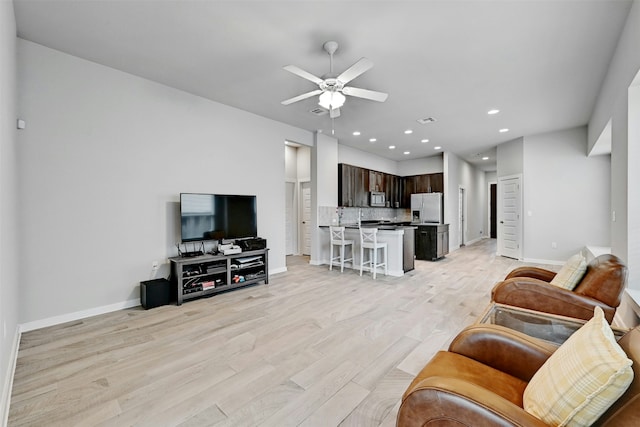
[[313, 348]]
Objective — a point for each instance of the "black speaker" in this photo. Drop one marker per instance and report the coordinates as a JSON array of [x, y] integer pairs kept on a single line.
[[253, 244], [154, 293]]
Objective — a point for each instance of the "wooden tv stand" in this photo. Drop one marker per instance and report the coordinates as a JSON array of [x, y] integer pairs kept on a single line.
[[207, 274]]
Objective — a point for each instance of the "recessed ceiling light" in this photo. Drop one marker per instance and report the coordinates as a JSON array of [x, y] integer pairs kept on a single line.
[[492, 112], [356, 133], [408, 131], [485, 158], [503, 130], [424, 140], [407, 152], [392, 147], [372, 140], [437, 147]]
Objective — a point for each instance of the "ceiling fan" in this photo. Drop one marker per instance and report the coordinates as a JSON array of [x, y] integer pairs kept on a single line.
[[332, 87]]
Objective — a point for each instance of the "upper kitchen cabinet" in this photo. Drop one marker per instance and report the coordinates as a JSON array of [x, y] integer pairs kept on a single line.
[[427, 183], [377, 181], [353, 186], [436, 183]]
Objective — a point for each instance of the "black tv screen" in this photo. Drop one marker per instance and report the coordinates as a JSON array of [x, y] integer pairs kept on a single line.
[[217, 216]]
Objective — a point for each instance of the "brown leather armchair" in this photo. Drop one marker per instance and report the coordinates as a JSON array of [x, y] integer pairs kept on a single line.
[[602, 286], [480, 382]]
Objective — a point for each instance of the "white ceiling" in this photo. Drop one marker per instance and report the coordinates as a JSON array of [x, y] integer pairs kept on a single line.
[[540, 62]]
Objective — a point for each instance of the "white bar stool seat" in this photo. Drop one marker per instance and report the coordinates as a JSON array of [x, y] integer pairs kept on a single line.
[[337, 239], [369, 241]]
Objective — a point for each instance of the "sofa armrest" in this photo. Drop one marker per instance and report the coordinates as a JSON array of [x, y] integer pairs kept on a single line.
[[451, 401], [533, 272], [504, 349], [538, 295]]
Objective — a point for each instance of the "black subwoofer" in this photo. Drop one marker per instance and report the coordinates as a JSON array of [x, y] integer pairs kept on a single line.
[[154, 293]]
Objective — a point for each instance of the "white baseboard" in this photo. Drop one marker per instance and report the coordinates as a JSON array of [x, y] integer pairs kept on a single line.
[[471, 242], [278, 270], [544, 261], [70, 317], [8, 385]]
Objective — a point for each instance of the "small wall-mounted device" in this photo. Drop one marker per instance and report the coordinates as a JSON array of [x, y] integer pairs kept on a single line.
[[21, 124]]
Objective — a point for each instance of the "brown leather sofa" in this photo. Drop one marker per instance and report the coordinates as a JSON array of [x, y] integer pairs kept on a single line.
[[480, 382], [602, 286]]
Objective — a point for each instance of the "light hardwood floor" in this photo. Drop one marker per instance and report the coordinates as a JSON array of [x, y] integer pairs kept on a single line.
[[313, 348]]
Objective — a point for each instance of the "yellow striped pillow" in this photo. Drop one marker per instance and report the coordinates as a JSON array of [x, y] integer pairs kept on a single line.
[[571, 272], [579, 382]]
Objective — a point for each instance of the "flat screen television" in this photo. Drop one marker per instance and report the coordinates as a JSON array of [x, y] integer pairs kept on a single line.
[[217, 216]]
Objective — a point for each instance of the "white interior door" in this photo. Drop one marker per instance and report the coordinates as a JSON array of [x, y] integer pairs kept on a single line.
[[305, 229], [289, 217], [510, 217]]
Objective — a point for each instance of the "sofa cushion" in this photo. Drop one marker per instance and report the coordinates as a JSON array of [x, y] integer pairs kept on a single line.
[[571, 272], [585, 376]]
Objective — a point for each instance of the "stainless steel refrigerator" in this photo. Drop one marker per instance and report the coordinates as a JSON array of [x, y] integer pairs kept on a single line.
[[427, 208]]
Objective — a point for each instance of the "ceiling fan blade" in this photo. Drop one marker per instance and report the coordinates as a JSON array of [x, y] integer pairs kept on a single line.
[[365, 93], [334, 113], [302, 73], [355, 70], [301, 97]]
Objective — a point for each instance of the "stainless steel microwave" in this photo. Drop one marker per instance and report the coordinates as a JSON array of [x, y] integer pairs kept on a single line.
[[377, 199]]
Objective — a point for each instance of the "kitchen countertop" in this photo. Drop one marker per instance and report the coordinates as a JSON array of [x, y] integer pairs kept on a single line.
[[385, 225]]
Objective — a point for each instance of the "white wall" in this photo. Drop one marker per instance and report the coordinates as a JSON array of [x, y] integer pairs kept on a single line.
[[459, 173], [355, 157], [324, 186], [566, 195], [102, 162], [621, 72], [510, 158], [425, 165], [304, 164], [612, 104], [633, 201], [9, 242]]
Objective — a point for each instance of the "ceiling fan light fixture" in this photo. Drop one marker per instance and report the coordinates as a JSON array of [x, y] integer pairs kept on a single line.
[[331, 100]]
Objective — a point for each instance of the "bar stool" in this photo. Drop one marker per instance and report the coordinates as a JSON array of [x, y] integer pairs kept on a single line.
[[369, 241], [337, 239]]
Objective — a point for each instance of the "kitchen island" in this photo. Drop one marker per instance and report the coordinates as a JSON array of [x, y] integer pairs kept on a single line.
[[398, 236]]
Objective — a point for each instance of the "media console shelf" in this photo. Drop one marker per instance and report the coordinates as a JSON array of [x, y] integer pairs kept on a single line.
[[206, 275]]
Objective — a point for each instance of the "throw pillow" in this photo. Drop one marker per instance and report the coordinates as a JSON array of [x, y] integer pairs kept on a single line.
[[571, 272], [582, 379]]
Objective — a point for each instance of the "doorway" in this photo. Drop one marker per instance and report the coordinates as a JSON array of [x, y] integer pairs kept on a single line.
[[462, 208], [290, 218], [493, 210]]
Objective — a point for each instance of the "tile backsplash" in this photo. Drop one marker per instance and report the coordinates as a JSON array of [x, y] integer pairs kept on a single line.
[[331, 215]]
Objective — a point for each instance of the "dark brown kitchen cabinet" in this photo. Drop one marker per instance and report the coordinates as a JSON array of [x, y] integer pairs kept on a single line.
[[377, 181], [394, 191], [436, 183], [353, 186], [355, 183], [427, 183]]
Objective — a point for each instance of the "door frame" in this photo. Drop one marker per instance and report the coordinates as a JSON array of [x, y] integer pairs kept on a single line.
[[500, 214]]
